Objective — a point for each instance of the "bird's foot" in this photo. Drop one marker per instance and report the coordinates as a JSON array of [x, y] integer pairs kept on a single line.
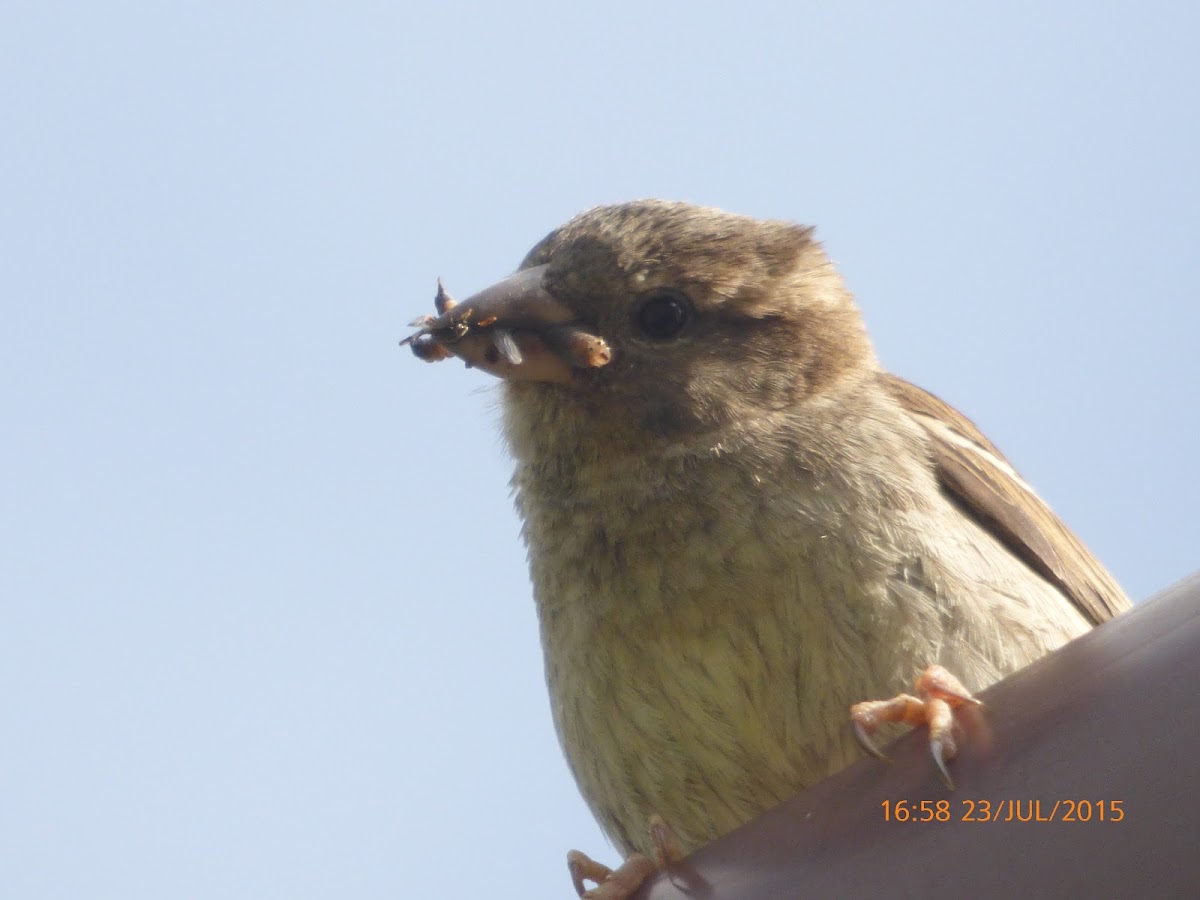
[[620, 883], [938, 694]]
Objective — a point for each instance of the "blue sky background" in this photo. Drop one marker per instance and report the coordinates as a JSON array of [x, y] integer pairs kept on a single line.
[[265, 626]]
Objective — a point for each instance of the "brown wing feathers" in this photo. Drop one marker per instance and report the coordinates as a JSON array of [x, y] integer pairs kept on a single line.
[[977, 477]]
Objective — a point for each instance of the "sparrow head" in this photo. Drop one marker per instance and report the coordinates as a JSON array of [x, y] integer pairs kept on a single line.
[[655, 320]]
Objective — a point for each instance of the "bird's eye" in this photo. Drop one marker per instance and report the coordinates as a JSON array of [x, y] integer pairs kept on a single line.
[[663, 314]]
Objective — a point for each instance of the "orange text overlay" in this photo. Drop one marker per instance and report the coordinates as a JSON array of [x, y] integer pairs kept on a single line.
[[1003, 810]]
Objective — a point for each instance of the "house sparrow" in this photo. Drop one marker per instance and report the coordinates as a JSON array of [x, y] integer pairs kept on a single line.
[[739, 524]]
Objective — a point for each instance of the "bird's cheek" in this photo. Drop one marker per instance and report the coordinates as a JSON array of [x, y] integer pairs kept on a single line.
[[666, 417]]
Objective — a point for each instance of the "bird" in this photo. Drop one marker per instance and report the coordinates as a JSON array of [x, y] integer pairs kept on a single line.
[[740, 527]]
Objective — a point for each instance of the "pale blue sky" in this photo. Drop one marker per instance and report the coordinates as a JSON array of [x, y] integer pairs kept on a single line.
[[265, 627]]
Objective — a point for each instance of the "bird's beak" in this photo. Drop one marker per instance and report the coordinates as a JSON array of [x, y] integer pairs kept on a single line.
[[514, 329]]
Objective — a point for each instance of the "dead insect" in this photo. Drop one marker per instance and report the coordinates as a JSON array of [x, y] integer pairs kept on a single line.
[[425, 347], [442, 301], [503, 340]]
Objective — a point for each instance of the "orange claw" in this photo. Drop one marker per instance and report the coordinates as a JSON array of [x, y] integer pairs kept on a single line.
[[938, 694], [618, 884], [621, 883]]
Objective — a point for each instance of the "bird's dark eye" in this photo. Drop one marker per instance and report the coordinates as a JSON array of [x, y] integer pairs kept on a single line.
[[663, 314]]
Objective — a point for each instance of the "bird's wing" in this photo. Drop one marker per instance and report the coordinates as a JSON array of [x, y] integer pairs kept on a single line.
[[977, 477]]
